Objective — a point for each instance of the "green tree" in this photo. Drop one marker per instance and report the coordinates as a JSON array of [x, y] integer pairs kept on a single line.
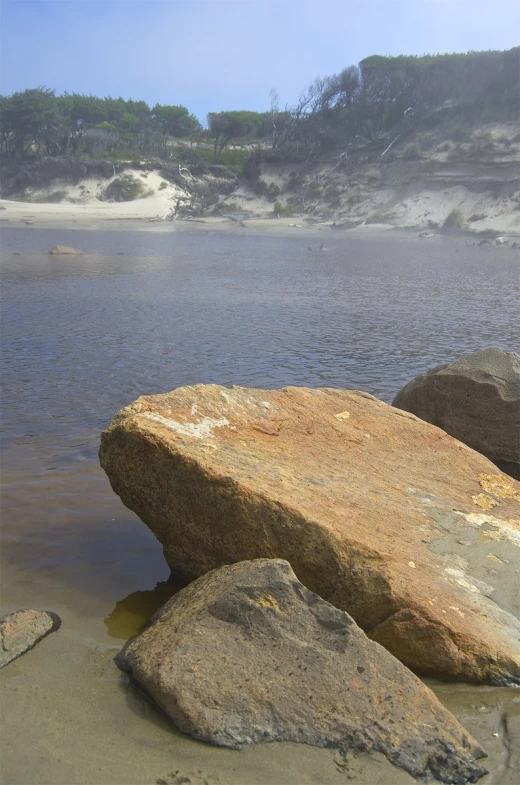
[[26, 119], [225, 126], [175, 120]]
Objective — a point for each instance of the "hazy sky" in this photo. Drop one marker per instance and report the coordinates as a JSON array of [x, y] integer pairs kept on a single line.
[[213, 55]]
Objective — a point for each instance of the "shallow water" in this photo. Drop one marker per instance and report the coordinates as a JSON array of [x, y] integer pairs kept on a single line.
[[144, 313]]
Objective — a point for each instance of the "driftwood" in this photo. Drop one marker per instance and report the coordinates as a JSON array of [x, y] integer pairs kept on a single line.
[[185, 169], [390, 145]]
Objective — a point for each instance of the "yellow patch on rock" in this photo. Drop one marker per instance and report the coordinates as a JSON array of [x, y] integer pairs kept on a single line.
[[499, 485], [457, 610], [342, 416], [268, 601], [484, 501]]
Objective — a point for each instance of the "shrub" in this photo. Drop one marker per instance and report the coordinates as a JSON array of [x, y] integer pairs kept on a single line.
[[412, 151], [454, 221], [234, 158], [52, 197], [125, 189], [284, 209], [162, 185], [481, 142], [380, 217], [314, 189], [461, 133], [228, 207]]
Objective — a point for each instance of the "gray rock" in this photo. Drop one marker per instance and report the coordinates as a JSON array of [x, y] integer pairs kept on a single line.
[[476, 399], [247, 654], [63, 250], [21, 630]]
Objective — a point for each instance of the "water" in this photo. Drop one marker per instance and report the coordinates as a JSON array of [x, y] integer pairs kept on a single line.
[[143, 313]]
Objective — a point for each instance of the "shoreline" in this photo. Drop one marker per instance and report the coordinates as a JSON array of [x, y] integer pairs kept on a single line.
[[123, 217]]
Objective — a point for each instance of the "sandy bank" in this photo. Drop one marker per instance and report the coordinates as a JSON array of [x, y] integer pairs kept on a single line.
[[381, 209], [146, 215]]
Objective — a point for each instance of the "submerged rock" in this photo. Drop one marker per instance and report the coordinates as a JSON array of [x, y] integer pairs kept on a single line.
[[21, 630], [247, 654], [373, 508], [63, 250], [476, 399]]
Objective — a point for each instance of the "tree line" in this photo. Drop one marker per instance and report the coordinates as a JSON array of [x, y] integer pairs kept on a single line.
[[366, 101]]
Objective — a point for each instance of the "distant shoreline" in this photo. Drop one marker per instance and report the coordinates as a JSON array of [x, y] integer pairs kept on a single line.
[[110, 217]]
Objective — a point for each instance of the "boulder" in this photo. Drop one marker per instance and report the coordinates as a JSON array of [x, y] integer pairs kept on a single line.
[[22, 630], [381, 514], [63, 250], [476, 399], [247, 654]]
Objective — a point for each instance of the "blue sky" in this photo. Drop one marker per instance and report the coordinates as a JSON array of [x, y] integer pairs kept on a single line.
[[213, 55]]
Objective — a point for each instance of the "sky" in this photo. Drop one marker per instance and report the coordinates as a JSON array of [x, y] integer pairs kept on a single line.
[[218, 55]]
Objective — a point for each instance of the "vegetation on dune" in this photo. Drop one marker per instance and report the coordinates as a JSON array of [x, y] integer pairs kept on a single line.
[[454, 222], [284, 210], [384, 106], [125, 189]]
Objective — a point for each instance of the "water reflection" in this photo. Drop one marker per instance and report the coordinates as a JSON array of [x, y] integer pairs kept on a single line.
[[130, 615]]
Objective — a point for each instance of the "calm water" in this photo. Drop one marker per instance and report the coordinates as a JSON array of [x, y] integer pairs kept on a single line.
[[145, 313]]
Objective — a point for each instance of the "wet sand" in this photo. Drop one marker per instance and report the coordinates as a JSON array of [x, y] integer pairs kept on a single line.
[[69, 717]]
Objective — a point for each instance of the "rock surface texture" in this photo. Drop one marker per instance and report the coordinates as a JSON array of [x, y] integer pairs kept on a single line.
[[63, 250], [476, 399], [378, 512], [22, 630], [247, 654]]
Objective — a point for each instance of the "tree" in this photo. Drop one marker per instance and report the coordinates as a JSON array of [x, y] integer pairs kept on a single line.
[[225, 126], [175, 120], [26, 118]]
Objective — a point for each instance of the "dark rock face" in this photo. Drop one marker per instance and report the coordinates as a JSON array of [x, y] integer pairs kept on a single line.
[[21, 630], [476, 399], [247, 654]]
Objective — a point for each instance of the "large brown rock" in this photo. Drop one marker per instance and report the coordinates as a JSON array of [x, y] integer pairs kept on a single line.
[[382, 514], [247, 654], [21, 630], [476, 399]]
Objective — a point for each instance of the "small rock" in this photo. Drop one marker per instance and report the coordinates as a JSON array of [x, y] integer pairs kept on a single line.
[[60, 250], [247, 654], [22, 630]]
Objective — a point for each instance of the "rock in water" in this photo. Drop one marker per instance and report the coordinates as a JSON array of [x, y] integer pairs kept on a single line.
[[247, 654], [22, 630], [476, 399], [61, 250], [373, 508]]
